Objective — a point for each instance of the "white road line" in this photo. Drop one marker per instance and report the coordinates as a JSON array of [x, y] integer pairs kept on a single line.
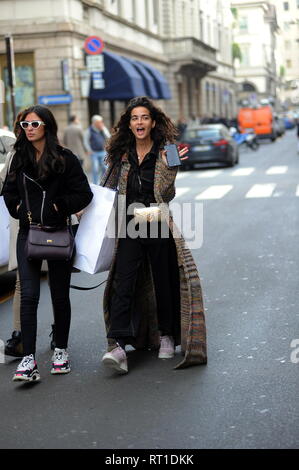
[[215, 192], [261, 190], [297, 190], [243, 171], [277, 170], [181, 191], [209, 173]]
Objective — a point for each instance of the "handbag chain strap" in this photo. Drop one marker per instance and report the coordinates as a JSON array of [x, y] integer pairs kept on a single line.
[[29, 214]]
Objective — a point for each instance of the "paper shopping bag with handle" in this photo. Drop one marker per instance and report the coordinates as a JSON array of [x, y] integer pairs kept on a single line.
[[95, 238]]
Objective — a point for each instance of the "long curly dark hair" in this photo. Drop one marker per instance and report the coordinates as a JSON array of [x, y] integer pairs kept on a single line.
[[123, 138], [51, 160]]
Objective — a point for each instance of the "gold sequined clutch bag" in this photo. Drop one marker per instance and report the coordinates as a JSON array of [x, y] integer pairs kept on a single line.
[[147, 214]]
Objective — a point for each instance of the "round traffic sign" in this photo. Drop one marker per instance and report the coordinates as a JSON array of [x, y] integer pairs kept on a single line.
[[93, 45]]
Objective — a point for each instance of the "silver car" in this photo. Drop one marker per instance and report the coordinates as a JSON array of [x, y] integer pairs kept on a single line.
[[210, 143]]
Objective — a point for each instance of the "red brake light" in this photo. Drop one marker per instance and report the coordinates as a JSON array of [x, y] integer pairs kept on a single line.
[[221, 142]]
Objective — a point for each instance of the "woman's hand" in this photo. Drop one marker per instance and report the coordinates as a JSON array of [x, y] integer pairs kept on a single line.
[[79, 215], [55, 207], [182, 154]]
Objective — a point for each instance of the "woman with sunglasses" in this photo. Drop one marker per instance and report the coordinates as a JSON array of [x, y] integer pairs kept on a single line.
[[57, 187], [14, 346], [153, 295]]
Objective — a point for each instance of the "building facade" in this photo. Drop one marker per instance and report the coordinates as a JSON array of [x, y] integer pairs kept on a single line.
[[197, 41], [255, 33], [182, 49], [287, 51]]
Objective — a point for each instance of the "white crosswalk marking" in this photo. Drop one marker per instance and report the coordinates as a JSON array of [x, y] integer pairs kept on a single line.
[[181, 191], [209, 173], [215, 192], [243, 171], [277, 170], [261, 190], [180, 175]]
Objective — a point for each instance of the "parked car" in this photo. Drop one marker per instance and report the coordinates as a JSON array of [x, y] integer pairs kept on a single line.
[[279, 126], [210, 143], [289, 122]]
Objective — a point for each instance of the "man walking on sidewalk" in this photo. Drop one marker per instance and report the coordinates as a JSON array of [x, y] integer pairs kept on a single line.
[[94, 140], [73, 138]]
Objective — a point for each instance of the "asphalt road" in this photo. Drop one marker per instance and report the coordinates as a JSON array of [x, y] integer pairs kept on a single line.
[[247, 394]]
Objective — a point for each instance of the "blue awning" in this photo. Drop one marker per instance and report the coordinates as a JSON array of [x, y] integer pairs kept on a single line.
[[122, 80], [160, 81], [148, 81]]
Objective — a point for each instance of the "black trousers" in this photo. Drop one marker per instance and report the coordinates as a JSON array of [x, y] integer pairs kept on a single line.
[[59, 281], [163, 261]]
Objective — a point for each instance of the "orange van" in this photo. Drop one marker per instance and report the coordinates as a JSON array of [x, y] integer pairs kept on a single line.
[[259, 120]]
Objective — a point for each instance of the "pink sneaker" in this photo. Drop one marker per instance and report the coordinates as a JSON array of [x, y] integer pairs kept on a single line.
[[166, 350], [117, 360]]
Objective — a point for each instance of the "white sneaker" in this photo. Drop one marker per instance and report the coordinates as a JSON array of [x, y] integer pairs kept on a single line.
[[60, 362], [117, 360], [166, 350], [27, 370]]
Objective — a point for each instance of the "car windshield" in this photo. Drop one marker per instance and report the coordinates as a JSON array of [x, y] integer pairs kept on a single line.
[[203, 134]]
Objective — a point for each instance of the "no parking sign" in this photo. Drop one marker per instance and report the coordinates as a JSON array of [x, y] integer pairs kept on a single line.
[[93, 45]]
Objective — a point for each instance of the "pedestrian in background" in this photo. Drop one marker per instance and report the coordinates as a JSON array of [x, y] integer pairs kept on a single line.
[[193, 122], [57, 187], [153, 296], [95, 140], [73, 138], [181, 127]]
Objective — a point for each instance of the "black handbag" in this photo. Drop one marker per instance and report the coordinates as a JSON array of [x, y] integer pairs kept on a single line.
[[49, 243]]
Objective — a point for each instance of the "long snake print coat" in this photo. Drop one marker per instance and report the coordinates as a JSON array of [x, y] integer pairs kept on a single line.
[[192, 319]]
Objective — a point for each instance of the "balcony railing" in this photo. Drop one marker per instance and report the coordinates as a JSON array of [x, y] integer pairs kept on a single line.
[[188, 49]]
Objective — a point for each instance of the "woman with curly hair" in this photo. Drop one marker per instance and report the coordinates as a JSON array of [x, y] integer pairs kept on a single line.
[[153, 296]]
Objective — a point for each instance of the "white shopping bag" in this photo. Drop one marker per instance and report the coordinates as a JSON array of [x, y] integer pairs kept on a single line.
[[4, 233], [94, 245]]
